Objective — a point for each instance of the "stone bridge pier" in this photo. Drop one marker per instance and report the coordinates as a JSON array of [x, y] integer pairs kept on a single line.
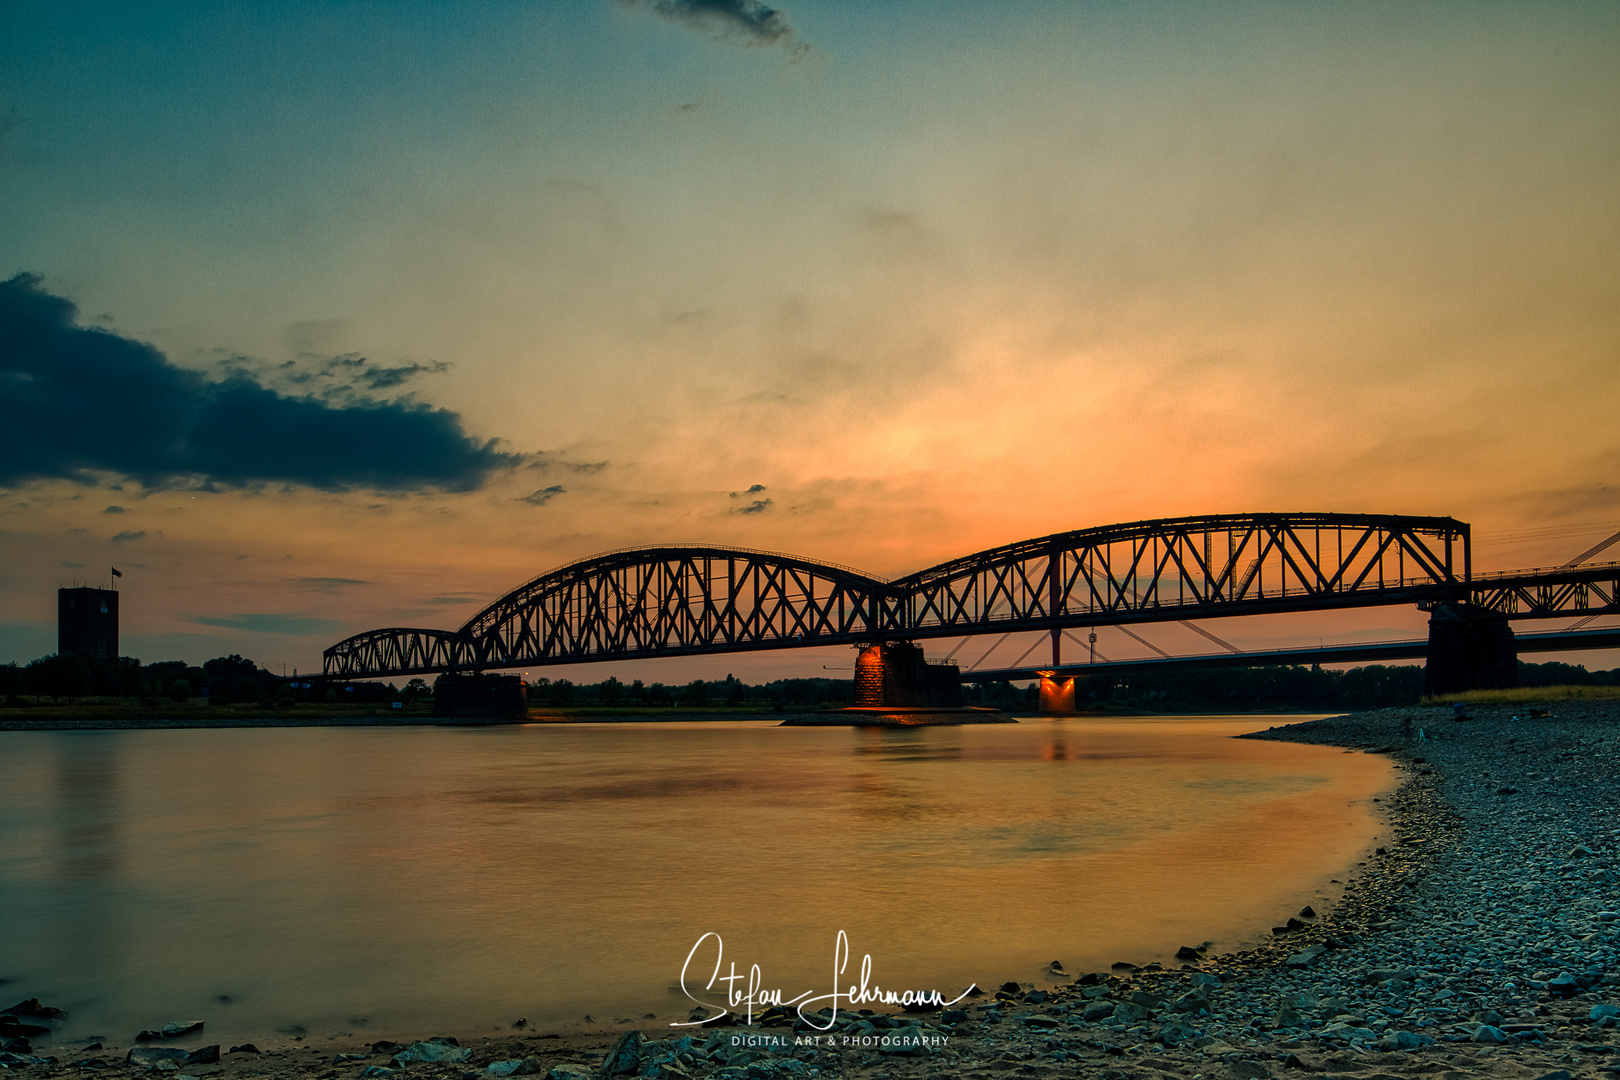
[[1470, 648], [895, 674]]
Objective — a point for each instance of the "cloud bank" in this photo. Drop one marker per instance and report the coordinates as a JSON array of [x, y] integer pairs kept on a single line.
[[79, 403]]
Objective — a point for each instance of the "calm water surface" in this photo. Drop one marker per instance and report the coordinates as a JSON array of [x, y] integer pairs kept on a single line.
[[391, 880]]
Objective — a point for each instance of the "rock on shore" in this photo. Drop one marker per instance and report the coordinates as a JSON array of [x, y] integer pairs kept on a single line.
[[1481, 941]]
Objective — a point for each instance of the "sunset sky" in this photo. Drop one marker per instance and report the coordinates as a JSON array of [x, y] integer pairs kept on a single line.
[[878, 283]]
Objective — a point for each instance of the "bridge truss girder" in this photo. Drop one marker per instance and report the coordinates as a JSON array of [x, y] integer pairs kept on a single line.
[[1191, 567], [645, 602], [686, 600], [1550, 593]]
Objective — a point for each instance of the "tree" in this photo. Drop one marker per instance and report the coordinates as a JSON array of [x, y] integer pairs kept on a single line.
[[131, 678], [180, 690], [416, 690], [232, 666], [60, 675], [610, 690]]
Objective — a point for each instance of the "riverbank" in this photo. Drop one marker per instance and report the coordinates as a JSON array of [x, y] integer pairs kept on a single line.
[[136, 716], [1481, 941]]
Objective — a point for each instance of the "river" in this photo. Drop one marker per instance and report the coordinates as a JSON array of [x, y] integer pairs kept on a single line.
[[418, 880]]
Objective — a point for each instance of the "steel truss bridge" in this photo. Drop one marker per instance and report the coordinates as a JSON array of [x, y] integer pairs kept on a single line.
[[685, 600]]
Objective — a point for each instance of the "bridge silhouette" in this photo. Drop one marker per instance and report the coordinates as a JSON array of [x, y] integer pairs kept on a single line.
[[685, 600]]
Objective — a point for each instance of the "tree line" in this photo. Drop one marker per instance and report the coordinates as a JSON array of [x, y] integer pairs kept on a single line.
[[235, 679], [1314, 688], [74, 675]]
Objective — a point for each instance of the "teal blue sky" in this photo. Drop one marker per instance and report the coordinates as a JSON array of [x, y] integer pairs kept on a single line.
[[933, 276]]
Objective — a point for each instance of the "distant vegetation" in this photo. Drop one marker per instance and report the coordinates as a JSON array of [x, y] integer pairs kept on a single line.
[[1586, 692], [1312, 689], [235, 680], [71, 677], [1256, 689]]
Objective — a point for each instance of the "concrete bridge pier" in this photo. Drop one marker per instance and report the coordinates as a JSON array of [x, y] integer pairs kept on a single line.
[[1469, 649], [895, 674]]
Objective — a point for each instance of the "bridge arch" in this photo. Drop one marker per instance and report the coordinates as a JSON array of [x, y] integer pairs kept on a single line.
[[1192, 567], [673, 600]]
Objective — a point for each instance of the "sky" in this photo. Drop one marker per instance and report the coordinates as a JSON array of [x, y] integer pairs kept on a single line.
[[320, 317]]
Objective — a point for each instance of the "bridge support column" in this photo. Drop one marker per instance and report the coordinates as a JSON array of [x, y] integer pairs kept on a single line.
[[1057, 694], [1469, 649], [894, 674], [479, 695]]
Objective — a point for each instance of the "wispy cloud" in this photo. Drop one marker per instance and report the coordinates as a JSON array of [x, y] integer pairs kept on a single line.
[[329, 584], [270, 624], [747, 21], [544, 495]]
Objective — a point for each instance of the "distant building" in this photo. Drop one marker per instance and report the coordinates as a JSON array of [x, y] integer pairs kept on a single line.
[[87, 622]]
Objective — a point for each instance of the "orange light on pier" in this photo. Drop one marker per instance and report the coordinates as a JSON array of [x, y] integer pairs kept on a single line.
[[1057, 694]]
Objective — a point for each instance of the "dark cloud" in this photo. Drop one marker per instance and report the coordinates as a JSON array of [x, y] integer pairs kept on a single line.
[[758, 506], [271, 624], [755, 490], [74, 565], [115, 510], [544, 495], [745, 20], [331, 581], [125, 537], [84, 404]]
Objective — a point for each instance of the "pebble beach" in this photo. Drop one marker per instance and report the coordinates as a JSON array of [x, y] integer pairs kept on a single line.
[[1483, 939]]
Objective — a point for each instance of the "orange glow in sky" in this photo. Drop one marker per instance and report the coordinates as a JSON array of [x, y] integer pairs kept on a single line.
[[902, 286]]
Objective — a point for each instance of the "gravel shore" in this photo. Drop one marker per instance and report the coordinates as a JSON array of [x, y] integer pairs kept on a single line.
[[1484, 940]]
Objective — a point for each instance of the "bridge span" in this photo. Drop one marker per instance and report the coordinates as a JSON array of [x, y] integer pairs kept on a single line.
[[683, 600]]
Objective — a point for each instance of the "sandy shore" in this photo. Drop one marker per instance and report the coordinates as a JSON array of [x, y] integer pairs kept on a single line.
[[1483, 941]]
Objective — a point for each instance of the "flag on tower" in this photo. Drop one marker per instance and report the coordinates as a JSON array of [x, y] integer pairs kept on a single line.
[[116, 573]]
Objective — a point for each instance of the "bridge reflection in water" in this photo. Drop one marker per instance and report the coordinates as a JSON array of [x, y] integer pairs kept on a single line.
[[685, 600]]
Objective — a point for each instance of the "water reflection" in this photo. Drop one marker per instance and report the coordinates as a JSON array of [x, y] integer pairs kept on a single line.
[[443, 877], [85, 785]]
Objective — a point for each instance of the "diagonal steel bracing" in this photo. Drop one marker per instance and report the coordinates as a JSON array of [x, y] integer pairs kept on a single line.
[[685, 600]]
